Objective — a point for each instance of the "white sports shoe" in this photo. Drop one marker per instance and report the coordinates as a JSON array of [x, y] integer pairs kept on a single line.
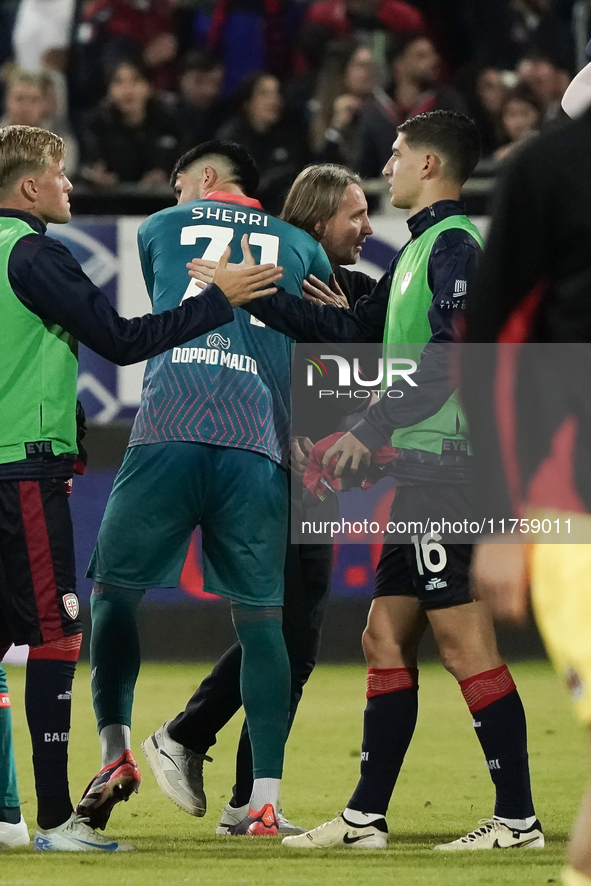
[[14, 834], [234, 815], [495, 834], [339, 834], [76, 835], [178, 771]]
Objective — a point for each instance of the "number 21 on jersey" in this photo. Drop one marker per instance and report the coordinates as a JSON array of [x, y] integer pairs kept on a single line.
[[220, 238]]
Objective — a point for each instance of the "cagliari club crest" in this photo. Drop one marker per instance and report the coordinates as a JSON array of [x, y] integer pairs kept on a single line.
[[71, 605], [405, 282]]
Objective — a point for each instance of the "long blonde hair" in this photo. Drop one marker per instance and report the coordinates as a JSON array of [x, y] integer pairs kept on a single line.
[[315, 196]]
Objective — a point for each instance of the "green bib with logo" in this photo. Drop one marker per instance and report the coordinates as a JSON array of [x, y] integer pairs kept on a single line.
[[407, 331], [38, 371]]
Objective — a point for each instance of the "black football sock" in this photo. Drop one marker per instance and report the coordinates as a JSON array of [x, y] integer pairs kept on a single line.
[[499, 722], [388, 725], [48, 703]]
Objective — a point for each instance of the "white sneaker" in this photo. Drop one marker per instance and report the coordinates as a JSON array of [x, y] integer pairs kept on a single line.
[[495, 834], [178, 771], [14, 834], [234, 815], [75, 835], [339, 834]]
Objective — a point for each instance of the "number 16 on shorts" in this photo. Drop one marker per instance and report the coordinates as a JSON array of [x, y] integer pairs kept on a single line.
[[429, 554]]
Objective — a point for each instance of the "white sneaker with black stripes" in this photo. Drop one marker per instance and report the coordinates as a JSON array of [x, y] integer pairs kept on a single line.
[[493, 834], [340, 834], [178, 771]]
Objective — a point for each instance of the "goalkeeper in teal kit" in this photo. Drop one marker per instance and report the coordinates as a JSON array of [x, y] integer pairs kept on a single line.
[[209, 447]]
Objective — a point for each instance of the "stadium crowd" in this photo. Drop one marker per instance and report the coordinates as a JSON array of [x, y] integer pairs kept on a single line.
[[131, 84]]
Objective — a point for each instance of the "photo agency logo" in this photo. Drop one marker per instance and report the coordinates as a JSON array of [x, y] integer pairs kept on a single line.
[[362, 379]]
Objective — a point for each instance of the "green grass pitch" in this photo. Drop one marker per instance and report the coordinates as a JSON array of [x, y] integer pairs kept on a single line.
[[443, 790]]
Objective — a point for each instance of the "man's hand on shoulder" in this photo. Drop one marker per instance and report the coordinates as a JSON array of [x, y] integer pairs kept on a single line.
[[316, 291], [240, 283]]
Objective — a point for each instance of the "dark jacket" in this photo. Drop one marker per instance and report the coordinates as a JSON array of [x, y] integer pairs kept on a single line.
[[132, 151], [280, 153]]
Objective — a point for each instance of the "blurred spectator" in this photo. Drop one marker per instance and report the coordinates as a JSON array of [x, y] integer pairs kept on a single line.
[[8, 12], [32, 99], [277, 145], [522, 117], [447, 28], [501, 32], [42, 32], [485, 92], [547, 78], [415, 88], [248, 35], [334, 19], [111, 30], [56, 115], [346, 83], [199, 107], [24, 100], [131, 136]]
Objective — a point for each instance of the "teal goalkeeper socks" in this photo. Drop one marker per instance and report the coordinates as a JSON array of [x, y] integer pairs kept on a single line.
[[114, 653], [265, 682], [9, 799]]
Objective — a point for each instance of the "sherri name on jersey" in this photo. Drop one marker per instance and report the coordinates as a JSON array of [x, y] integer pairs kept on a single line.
[[230, 215]]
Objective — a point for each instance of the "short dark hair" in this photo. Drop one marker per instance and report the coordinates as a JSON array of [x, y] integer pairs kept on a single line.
[[202, 61], [397, 44], [129, 61], [454, 135], [523, 93], [247, 88], [244, 170]]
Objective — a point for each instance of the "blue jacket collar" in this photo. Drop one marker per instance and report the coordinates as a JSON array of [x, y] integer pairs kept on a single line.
[[430, 215]]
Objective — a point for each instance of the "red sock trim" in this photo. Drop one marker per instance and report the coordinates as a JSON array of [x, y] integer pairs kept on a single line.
[[381, 681], [4, 700], [65, 649], [482, 689]]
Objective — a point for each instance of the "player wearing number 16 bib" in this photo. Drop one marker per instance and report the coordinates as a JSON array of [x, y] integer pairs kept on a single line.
[[413, 308], [209, 447]]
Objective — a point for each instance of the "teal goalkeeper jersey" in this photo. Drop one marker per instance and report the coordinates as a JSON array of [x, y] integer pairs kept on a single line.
[[229, 387]]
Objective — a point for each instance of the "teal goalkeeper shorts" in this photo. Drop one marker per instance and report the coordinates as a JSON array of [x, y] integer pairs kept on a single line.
[[164, 490]]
